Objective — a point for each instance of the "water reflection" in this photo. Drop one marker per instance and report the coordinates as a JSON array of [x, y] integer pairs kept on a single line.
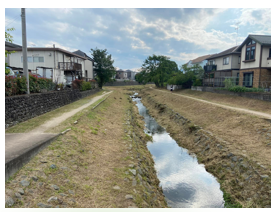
[[185, 183]]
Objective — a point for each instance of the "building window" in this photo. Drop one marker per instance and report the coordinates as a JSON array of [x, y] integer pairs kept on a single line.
[[34, 59], [226, 61], [38, 59], [248, 79], [211, 62], [269, 56], [239, 61], [250, 50]]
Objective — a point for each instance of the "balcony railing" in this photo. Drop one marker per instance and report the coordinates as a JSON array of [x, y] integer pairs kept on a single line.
[[210, 68], [69, 66]]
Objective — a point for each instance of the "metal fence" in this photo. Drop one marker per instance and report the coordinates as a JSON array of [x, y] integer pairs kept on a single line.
[[235, 81]]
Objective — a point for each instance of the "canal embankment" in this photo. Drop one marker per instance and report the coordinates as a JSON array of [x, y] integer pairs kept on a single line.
[[244, 179], [101, 162]]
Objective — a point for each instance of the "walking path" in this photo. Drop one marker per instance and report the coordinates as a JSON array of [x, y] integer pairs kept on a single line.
[[260, 114], [58, 120], [21, 147]]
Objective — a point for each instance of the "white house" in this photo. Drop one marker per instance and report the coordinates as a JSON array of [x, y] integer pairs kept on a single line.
[[88, 64], [56, 63]]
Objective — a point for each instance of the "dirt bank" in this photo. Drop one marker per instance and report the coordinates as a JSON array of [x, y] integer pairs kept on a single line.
[[244, 180], [102, 162]]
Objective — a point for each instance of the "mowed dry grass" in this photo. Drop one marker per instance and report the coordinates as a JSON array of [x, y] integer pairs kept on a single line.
[[238, 129], [234, 101], [90, 159]]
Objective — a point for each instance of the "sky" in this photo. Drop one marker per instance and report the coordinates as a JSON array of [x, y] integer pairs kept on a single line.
[[131, 35]]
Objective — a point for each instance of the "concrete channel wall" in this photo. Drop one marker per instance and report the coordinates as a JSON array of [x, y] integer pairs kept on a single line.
[[24, 107], [251, 95]]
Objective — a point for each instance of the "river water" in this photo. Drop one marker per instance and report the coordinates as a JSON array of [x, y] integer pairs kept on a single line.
[[185, 182]]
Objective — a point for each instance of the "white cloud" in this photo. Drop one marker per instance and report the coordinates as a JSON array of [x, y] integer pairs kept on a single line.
[[192, 31], [138, 43], [58, 45], [258, 17]]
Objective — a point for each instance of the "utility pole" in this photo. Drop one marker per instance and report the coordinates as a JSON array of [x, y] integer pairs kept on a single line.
[[24, 48]]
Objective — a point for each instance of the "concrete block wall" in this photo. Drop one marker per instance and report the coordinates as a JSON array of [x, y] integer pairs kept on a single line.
[[24, 107]]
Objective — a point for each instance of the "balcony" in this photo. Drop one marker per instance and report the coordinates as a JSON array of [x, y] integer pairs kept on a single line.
[[210, 68], [69, 66]]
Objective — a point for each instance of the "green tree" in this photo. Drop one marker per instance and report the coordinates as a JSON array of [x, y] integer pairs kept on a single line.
[[103, 66], [8, 38], [158, 69]]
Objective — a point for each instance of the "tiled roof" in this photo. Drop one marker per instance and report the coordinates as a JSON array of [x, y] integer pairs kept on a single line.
[[81, 53], [45, 49], [261, 39], [200, 59], [226, 52], [12, 45]]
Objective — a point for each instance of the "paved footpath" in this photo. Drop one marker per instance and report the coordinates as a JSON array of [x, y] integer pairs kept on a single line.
[[20, 147], [260, 114]]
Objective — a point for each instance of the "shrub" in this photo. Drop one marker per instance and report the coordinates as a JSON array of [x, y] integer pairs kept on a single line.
[[85, 86], [33, 84], [230, 82], [245, 89], [76, 84], [10, 85], [21, 85], [197, 82]]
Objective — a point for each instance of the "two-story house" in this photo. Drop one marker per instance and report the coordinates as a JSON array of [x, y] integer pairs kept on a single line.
[[56, 63], [255, 68], [220, 66]]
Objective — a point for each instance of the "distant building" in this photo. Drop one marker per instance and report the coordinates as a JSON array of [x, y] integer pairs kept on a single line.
[[125, 75]]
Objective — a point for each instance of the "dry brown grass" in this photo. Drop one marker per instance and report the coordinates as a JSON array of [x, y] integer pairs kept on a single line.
[[95, 157], [239, 130], [234, 101]]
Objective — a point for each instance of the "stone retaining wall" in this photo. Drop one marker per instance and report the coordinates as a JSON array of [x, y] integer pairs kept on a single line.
[[24, 107], [251, 95]]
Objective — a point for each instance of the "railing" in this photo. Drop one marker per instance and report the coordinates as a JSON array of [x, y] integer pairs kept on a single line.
[[69, 66], [210, 68]]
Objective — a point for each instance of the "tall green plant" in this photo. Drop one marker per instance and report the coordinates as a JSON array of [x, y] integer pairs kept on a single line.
[[103, 66], [8, 38]]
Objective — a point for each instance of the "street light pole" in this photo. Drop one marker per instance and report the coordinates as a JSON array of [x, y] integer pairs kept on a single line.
[[24, 48]]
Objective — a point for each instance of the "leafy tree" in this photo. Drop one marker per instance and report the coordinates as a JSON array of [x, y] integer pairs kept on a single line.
[[8, 38], [190, 76], [103, 66], [157, 69]]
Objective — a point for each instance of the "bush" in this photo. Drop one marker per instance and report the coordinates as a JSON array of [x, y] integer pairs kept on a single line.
[[245, 89], [85, 86], [10, 85], [76, 84], [197, 82], [18, 85], [21, 85]]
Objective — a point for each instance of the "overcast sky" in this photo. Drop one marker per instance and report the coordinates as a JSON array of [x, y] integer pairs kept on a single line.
[[131, 35]]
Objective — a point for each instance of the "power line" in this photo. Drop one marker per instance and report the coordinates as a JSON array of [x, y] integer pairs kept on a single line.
[[14, 18]]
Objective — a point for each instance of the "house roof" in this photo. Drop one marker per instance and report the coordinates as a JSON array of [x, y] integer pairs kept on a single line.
[[200, 59], [12, 45], [81, 53], [232, 50], [46, 49], [261, 39]]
